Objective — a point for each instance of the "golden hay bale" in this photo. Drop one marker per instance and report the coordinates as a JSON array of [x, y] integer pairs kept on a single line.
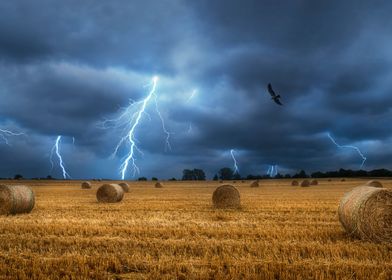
[[255, 184], [226, 196], [314, 182], [305, 183], [343, 180], [374, 183], [124, 186], [110, 193], [158, 185], [86, 185], [366, 212], [16, 199], [294, 183]]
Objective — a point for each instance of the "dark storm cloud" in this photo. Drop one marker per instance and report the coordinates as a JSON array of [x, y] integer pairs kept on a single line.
[[137, 33], [66, 66]]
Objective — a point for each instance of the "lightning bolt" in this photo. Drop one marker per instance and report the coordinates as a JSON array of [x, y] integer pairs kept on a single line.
[[276, 170], [129, 121], [349, 147], [193, 94], [236, 170], [167, 140], [272, 170], [56, 149], [269, 170], [5, 133]]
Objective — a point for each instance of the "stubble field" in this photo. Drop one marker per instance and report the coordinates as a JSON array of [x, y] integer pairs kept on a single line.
[[281, 232]]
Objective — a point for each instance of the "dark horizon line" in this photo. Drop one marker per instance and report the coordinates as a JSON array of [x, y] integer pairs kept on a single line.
[[348, 173]]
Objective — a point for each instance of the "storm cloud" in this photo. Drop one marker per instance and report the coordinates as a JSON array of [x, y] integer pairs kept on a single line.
[[66, 67]]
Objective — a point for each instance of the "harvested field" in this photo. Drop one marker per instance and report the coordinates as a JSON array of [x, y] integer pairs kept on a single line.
[[280, 232]]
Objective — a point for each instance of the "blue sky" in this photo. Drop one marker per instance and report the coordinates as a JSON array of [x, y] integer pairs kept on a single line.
[[66, 66]]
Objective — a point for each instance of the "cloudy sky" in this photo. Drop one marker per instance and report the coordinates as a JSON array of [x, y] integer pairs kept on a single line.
[[67, 66]]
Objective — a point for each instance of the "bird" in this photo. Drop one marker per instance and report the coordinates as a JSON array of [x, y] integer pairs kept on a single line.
[[273, 95]]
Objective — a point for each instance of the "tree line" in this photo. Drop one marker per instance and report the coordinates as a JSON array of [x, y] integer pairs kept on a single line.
[[227, 173]]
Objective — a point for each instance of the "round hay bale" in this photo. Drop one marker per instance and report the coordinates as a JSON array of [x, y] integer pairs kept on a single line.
[[295, 183], [255, 184], [226, 196], [343, 180], [16, 199], [314, 182], [110, 193], [220, 181], [86, 185], [305, 183], [366, 213], [158, 185], [329, 180], [374, 183], [124, 186]]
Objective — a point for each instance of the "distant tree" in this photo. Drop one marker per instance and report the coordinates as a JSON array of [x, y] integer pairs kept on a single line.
[[173, 179], [226, 173], [301, 174], [195, 174], [278, 176], [318, 175], [287, 176], [380, 173], [215, 177], [49, 177], [187, 175], [142, 179], [237, 176], [154, 179], [362, 173], [18, 177], [199, 174]]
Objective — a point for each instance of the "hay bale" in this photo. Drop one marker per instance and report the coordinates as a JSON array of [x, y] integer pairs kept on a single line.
[[366, 213], [305, 183], [295, 183], [314, 182], [374, 183], [86, 185], [255, 184], [110, 193], [16, 199], [124, 186], [329, 180], [158, 185], [226, 196], [343, 180]]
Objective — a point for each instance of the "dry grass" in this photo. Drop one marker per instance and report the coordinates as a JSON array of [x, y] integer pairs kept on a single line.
[[280, 232]]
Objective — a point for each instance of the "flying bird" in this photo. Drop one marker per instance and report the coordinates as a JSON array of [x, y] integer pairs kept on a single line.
[[273, 95]]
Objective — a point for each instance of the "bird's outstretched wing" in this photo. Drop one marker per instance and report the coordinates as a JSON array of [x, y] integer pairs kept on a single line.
[[277, 101], [271, 91]]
